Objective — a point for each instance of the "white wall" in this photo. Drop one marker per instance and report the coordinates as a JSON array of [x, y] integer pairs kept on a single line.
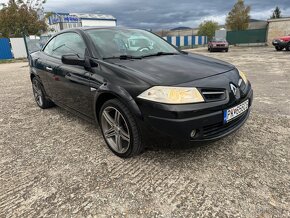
[[18, 47], [97, 23]]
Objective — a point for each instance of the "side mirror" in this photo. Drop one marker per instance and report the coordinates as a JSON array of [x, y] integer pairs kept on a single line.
[[73, 59]]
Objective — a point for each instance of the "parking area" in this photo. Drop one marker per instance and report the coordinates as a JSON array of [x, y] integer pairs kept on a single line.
[[53, 164]]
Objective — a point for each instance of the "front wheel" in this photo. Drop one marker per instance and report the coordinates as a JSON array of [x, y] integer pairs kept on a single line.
[[288, 47], [119, 129], [278, 48]]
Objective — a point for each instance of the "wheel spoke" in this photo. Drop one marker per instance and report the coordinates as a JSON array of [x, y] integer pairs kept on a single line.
[[108, 118], [124, 135], [110, 133], [118, 142], [36, 89], [40, 100], [117, 117]]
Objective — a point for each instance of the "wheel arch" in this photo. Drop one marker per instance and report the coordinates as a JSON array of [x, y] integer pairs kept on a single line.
[[103, 95], [32, 75]]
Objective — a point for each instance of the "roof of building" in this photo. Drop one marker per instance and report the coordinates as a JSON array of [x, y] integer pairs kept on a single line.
[[255, 20], [181, 28], [94, 16], [279, 19]]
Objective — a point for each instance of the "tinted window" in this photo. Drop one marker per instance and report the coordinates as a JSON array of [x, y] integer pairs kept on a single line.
[[68, 43], [49, 48]]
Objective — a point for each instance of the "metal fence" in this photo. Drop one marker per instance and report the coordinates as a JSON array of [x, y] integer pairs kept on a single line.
[[247, 36], [186, 41], [5, 49], [20, 47]]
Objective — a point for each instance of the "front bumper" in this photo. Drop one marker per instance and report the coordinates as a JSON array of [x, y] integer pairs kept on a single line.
[[279, 43], [176, 122], [217, 48]]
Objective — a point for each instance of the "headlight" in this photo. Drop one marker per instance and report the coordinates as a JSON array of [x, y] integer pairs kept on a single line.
[[172, 95], [243, 76]]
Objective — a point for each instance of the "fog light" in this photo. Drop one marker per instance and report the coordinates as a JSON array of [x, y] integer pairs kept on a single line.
[[193, 133]]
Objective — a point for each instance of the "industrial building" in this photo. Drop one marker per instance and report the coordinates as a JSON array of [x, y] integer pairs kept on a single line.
[[61, 21]]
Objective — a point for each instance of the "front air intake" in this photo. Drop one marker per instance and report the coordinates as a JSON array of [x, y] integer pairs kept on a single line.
[[213, 94]]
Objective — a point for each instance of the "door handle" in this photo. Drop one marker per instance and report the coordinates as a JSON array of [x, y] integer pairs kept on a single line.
[[48, 68]]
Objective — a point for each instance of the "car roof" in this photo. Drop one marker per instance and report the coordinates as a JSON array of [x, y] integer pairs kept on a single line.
[[96, 28]]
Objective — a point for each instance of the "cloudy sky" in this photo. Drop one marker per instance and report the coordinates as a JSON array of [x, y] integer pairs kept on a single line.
[[164, 14]]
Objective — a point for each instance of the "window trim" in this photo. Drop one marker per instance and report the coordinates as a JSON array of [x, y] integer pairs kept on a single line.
[[42, 50]]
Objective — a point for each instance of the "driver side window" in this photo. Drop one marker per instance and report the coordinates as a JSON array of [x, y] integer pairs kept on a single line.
[[66, 43]]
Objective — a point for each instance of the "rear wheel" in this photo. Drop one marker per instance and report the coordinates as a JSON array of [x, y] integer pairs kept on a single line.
[[288, 47], [39, 95], [278, 48], [119, 129]]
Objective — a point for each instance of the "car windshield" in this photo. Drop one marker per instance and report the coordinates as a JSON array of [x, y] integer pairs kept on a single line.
[[114, 43], [219, 40]]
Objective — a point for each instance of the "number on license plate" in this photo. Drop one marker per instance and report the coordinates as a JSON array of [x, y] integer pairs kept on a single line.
[[234, 112]]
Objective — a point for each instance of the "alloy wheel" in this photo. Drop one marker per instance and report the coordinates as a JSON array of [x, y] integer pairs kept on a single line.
[[38, 95], [115, 129]]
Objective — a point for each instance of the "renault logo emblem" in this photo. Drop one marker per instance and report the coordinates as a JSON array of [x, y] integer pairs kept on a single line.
[[234, 89]]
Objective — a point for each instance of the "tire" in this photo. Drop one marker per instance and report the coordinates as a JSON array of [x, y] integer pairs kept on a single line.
[[278, 48], [119, 129], [288, 47], [210, 49], [39, 95], [227, 50]]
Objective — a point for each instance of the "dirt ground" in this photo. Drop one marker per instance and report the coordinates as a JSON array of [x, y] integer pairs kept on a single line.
[[53, 164]]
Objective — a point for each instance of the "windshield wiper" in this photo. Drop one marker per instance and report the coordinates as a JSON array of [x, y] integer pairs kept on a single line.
[[123, 57], [160, 54]]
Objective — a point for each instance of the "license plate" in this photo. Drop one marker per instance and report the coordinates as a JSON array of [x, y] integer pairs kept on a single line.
[[236, 111]]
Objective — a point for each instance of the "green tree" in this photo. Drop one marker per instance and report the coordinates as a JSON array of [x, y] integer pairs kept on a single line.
[[276, 13], [238, 18], [34, 4], [17, 18], [208, 28]]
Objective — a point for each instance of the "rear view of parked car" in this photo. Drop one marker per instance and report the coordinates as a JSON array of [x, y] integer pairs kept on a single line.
[[217, 44], [282, 43]]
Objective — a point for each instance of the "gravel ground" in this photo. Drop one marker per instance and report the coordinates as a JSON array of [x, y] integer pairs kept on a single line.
[[53, 164]]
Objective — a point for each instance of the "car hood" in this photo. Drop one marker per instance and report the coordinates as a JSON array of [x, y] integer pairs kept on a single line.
[[285, 38], [174, 69]]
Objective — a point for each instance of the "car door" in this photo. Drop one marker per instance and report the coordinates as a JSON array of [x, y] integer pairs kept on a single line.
[[45, 66], [71, 86]]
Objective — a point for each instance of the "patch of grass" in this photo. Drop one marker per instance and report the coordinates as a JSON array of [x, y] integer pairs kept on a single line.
[[192, 46], [13, 60]]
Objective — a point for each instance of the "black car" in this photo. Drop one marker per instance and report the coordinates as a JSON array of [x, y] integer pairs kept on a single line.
[[138, 87]]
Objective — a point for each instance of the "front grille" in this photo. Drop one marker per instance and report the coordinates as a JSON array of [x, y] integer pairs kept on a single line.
[[219, 128], [220, 45], [213, 94]]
